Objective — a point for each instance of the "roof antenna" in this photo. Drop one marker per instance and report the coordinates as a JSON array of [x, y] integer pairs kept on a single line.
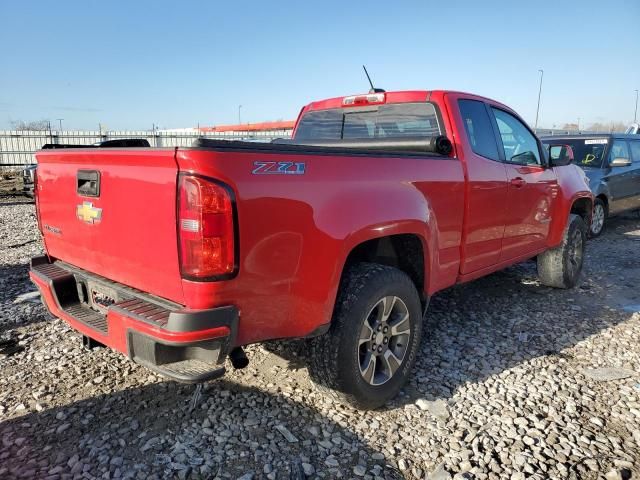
[[373, 89]]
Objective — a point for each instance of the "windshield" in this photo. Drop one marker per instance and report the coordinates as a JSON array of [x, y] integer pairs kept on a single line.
[[588, 152], [386, 121]]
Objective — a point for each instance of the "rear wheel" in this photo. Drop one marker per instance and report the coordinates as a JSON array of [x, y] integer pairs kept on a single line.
[[598, 218], [561, 267], [366, 356]]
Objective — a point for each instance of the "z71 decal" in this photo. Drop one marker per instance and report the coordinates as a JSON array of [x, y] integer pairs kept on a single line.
[[278, 168]]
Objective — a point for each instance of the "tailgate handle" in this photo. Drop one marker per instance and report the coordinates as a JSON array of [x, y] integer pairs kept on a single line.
[[88, 183]]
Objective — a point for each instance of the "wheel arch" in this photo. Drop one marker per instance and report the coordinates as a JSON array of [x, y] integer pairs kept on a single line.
[[408, 252], [583, 206]]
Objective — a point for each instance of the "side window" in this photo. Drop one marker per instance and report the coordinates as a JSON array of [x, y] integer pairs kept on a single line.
[[478, 127], [619, 149], [520, 146], [635, 150]]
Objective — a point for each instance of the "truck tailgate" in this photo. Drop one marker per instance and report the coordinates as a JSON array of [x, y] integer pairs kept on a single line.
[[125, 229]]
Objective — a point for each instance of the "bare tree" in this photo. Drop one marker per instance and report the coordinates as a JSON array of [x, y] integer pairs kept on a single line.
[[33, 125], [608, 127]]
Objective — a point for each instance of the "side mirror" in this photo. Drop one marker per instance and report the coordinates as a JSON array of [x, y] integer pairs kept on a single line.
[[620, 162], [560, 155]]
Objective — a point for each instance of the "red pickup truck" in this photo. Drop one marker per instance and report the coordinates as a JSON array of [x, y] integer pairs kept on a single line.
[[178, 257]]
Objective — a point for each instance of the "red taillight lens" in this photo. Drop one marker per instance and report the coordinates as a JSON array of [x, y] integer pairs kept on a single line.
[[205, 228]]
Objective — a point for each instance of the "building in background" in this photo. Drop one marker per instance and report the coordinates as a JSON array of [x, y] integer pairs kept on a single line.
[[267, 129]]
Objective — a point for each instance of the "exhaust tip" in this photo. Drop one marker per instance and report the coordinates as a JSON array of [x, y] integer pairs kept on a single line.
[[238, 358], [89, 343]]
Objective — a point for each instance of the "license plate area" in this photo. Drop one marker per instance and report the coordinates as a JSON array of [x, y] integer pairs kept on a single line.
[[100, 297]]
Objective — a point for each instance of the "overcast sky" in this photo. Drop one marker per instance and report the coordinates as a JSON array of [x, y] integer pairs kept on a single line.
[[130, 64]]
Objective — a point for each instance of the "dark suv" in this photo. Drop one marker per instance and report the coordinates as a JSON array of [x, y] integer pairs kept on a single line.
[[612, 163]]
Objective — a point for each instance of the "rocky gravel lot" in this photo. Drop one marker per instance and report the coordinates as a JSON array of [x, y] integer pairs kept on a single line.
[[515, 381]]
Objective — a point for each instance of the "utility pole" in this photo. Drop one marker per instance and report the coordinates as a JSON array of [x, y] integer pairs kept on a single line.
[[60, 122], [635, 115], [239, 118], [539, 94], [578, 124]]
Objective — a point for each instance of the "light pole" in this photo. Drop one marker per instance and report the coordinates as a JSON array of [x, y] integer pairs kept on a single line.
[[578, 124], [239, 118], [635, 115], [60, 122], [539, 93]]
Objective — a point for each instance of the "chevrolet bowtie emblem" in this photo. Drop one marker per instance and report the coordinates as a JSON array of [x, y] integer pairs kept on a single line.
[[88, 213]]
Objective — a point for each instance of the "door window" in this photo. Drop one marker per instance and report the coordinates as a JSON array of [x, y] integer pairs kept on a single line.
[[478, 127], [519, 144], [619, 149], [635, 151]]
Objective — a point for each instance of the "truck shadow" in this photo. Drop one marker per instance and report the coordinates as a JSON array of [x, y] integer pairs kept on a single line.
[[233, 430], [507, 319]]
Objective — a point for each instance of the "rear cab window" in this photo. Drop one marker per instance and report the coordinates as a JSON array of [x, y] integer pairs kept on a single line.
[[398, 120]]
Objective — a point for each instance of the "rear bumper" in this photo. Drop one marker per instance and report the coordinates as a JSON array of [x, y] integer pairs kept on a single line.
[[184, 345]]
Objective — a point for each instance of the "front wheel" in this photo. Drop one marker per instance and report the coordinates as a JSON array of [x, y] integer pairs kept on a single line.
[[561, 267], [598, 218], [366, 356]]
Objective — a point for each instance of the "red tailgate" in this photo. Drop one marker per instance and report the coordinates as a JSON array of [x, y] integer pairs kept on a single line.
[[127, 232]]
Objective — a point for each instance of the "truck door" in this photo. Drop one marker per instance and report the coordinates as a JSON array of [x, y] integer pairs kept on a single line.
[[532, 188], [486, 187]]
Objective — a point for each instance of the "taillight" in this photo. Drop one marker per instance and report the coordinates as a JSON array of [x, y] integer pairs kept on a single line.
[[205, 228]]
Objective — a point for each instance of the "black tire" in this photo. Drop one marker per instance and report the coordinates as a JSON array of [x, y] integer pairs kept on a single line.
[[336, 357], [561, 267], [597, 226]]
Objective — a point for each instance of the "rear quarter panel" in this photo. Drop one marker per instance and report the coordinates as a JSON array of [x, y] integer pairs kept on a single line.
[[296, 231]]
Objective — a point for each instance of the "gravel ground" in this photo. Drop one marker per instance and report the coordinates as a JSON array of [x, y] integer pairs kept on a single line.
[[515, 380]]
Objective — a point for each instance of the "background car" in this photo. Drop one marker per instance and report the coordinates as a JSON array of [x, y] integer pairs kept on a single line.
[[612, 163]]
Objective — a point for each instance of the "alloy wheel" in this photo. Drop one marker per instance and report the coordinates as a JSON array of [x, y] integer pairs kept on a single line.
[[576, 251], [384, 340], [597, 222]]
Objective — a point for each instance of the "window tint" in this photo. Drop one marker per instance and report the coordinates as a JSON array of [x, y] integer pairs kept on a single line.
[[320, 125], [386, 121], [478, 127], [520, 146], [635, 150], [619, 149]]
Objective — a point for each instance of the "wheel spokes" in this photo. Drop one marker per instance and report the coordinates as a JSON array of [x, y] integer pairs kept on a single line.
[[390, 362], [402, 326], [366, 333], [369, 370], [387, 307]]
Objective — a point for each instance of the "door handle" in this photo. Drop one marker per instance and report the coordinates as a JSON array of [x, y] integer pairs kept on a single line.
[[518, 182]]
